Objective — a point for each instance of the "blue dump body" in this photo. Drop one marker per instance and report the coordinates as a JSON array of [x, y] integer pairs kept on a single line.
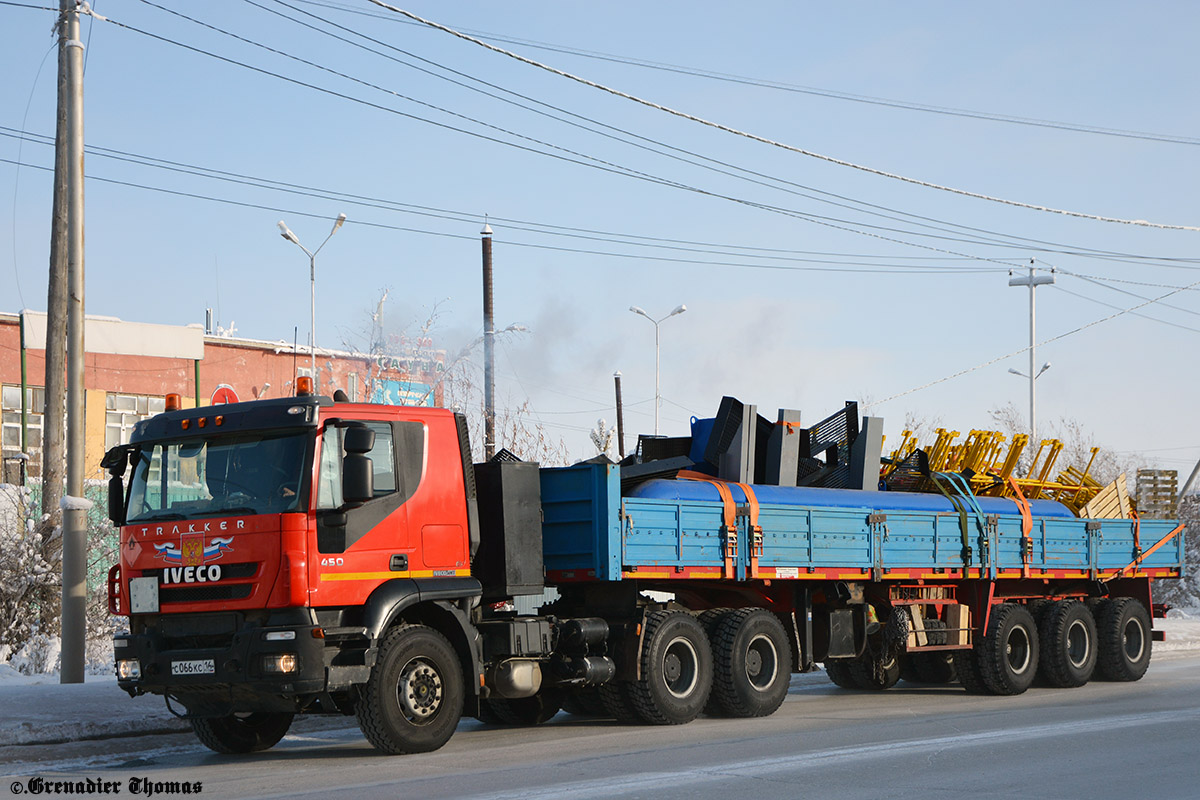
[[677, 525]]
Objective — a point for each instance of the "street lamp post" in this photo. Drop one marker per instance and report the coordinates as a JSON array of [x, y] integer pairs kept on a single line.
[[286, 233], [657, 391], [1033, 280]]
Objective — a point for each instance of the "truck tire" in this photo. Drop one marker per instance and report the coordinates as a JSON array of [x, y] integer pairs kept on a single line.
[[1008, 653], [936, 667], [1124, 635], [751, 670], [710, 619], [876, 672], [242, 733], [838, 671], [676, 668], [526, 711], [966, 667], [618, 702], [1068, 644], [414, 697], [584, 702]]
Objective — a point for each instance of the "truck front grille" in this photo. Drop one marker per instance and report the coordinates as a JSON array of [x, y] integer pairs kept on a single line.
[[202, 594]]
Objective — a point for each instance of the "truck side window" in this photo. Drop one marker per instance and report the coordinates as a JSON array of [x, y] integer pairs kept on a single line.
[[383, 463], [383, 458], [329, 479]]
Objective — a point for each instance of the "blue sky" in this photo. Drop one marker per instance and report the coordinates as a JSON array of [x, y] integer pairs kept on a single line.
[[863, 306]]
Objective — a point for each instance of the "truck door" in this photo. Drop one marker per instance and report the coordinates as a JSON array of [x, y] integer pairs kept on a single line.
[[357, 547]]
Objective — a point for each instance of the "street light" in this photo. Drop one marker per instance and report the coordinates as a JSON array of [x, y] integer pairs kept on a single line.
[[1032, 280], [286, 233], [657, 392]]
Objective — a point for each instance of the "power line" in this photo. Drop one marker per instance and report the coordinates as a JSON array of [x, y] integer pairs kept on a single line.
[[798, 89], [1039, 344], [1131, 313], [781, 145]]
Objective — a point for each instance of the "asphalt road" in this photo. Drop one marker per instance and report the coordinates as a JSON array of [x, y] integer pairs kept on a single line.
[[1104, 740]]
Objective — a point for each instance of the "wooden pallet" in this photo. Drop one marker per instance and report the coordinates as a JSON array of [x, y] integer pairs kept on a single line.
[[1111, 502]]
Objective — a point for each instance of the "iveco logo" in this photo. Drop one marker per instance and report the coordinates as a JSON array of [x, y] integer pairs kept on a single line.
[[202, 574]]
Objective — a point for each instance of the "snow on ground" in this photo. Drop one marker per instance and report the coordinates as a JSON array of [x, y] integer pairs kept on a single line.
[[1182, 629]]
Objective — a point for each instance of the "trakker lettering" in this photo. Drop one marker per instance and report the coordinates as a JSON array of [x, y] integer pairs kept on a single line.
[[195, 527], [208, 574]]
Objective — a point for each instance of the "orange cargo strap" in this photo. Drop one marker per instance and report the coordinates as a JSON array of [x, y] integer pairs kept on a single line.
[[1026, 526], [1134, 564], [1137, 534], [730, 516], [756, 542]]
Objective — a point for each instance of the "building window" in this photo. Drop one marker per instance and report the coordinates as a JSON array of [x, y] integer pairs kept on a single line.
[[10, 416], [123, 411]]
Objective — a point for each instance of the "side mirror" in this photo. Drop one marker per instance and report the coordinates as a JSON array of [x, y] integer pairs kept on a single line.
[[358, 477], [358, 439], [116, 500]]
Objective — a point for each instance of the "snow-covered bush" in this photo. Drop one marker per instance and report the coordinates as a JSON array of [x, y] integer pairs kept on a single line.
[[31, 583]]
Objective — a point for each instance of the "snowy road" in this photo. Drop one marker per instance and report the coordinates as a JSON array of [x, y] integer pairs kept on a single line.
[[1103, 740]]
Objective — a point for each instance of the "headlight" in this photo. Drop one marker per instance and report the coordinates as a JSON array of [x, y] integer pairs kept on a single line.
[[282, 663], [129, 669]]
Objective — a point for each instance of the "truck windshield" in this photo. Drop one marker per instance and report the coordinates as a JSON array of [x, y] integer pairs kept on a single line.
[[243, 474]]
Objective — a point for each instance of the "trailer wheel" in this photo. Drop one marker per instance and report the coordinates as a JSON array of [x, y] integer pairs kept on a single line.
[[938, 666], [617, 699], [414, 697], [876, 672], [1068, 644], [1124, 628], [676, 667], [750, 663], [242, 733], [838, 671], [526, 711], [710, 619], [1008, 654]]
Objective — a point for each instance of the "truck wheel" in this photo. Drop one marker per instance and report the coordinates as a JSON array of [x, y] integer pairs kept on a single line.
[[526, 710], [938, 666], [584, 702], [242, 733], [1124, 628], [618, 702], [876, 672], [414, 698], [676, 667], [1008, 654], [839, 673], [750, 663], [1068, 644]]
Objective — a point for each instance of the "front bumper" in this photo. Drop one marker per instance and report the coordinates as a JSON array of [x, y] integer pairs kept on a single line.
[[213, 664]]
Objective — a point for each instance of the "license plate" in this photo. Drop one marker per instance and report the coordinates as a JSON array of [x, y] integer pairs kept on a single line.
[[200, 666]]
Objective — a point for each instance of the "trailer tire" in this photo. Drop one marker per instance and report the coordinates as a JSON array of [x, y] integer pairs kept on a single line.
[[242, 733], [676, 667], [751, 672], [526, 711], [618, 702], [1124, 634], [1068, 644], [709, 620], [414, 697], [936, 667], [876, 672], [838, 671], [1008, 654]]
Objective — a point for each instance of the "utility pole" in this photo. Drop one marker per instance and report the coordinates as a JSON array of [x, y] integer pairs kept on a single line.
[[74, 563], [620, 416], [1033, 280], [489, 353]]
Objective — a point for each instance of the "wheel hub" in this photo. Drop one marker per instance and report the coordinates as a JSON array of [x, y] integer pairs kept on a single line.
[[420, 690]]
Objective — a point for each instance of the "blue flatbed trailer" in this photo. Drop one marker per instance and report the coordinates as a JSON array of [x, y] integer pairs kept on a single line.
[[875, 584]]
